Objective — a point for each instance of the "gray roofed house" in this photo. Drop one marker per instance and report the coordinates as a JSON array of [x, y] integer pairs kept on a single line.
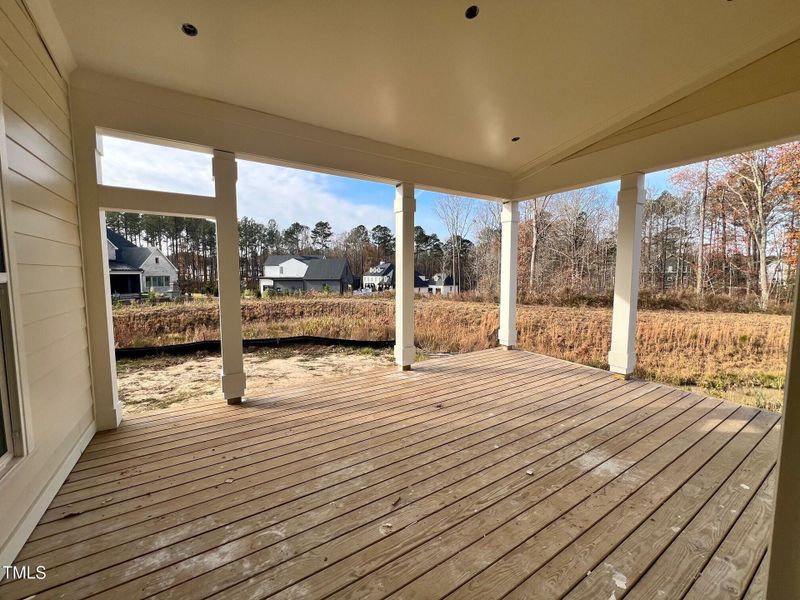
[[301, 273], [442, 283], [133, 270], [381, 277]]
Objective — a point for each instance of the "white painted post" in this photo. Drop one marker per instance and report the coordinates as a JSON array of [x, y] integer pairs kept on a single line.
[[230, 309], [509, 220], [622, 356], [404, 207], [107, 407], [784, 576]]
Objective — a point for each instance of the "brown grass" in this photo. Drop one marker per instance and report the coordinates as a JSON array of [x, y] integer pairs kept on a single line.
[[715, 351]]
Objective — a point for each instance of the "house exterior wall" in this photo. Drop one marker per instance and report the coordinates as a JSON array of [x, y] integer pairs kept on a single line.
[[42, 226], [112, 251], [163, 268], [284, 285], [334, 285], [377, 281], [444, 290], [290, 268]]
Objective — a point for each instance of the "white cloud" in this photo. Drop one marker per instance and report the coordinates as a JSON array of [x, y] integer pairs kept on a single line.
[[288, 195], [147, 166], [265, 191]]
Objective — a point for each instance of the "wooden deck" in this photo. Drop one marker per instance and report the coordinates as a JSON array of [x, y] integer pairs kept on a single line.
[[488, 475]]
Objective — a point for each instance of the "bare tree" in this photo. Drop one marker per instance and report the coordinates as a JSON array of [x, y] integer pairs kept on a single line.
[[753, 181], [456, 214], [487, 250], [581, 219], [535, 213]]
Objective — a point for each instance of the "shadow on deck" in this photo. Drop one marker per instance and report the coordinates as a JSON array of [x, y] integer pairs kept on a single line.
[[485, 475]]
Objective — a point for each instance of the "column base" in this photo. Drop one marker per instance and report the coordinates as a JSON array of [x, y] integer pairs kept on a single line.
[[404, 367], [622, 363], [507, 346], [404, 357], [233, 385], [107, 420]]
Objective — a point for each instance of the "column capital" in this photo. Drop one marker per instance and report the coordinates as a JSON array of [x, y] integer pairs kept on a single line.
[[631, 188], [510, 212], [222, 162], [404, 199]]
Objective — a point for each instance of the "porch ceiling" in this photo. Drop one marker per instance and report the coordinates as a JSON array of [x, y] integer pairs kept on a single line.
[[562, 75]]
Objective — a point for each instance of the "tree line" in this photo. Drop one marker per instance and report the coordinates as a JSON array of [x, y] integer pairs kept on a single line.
[[190, 244], [725, 227]]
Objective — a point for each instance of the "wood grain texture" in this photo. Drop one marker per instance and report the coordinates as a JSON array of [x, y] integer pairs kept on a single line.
[[483, 475]]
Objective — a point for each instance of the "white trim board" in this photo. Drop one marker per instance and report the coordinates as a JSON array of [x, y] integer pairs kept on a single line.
[[116, 104], [26, 526]]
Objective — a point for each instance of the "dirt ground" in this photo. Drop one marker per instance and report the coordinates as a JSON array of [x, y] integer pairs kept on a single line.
[[151, 383]]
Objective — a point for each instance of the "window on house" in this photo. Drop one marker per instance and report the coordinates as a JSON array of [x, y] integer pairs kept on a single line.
[[156, 281], [8, 392], [156, 260], [280, 270]]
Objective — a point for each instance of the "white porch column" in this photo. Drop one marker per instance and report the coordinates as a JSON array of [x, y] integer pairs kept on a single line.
[[784, 570], [622, 357], [107, 407], [509, 220], [404, 207], [230, 310]]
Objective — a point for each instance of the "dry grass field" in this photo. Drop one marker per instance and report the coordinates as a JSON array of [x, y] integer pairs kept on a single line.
[[738, 356]]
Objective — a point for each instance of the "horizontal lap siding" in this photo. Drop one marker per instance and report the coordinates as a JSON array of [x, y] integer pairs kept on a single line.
[[43, 221]]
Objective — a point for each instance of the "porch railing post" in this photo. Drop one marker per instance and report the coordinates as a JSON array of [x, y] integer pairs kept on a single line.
[[622, 356], [509, 220], [404, 207], [229, 283]]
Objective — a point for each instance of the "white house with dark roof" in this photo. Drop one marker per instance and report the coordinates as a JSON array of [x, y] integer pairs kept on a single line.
[[381, 277], [134, 270], [442, 283], [299, 273]]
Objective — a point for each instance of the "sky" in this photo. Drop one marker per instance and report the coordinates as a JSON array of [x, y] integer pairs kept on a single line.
[[281, 193]]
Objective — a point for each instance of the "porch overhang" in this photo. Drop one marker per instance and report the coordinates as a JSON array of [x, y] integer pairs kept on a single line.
[[599, 103]]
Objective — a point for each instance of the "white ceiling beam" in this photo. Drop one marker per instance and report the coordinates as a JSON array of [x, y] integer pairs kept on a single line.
[[122, 105], [124, 199]]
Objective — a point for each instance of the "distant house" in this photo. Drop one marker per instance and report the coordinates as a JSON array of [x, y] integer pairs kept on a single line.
[[442, 284], [381, 277], [777, 271], [135, 270], [305, 274]]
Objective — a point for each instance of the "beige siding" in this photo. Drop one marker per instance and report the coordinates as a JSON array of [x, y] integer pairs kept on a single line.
[[43, 222]]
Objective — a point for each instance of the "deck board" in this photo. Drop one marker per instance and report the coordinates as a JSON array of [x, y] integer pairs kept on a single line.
[[485, 475]]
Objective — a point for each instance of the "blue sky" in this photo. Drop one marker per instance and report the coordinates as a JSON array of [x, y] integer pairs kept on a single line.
[[284, 194]]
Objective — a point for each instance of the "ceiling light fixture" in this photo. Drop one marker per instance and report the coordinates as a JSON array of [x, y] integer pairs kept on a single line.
[[472, 12], [515, 138], [189, 29]]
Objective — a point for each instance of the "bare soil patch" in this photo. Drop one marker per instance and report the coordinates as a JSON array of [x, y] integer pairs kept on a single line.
[[160, 382]]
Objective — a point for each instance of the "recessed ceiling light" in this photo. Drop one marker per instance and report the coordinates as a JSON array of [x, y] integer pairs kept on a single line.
[[472, 12], [515, 138], [189, 29]]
